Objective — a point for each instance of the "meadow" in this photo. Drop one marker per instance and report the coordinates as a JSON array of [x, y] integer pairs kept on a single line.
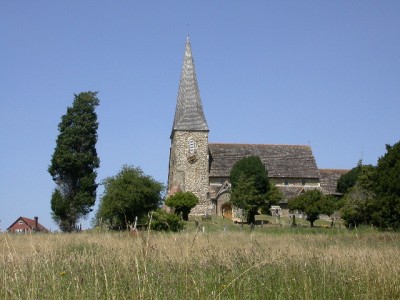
[[225, 261]]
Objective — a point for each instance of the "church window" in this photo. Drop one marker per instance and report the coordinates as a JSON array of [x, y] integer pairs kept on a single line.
[[192, 146]]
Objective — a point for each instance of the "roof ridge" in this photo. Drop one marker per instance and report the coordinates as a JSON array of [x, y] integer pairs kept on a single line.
[[250, 144]]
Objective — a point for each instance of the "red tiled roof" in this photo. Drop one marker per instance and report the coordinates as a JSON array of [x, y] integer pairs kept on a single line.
[[31, 224]]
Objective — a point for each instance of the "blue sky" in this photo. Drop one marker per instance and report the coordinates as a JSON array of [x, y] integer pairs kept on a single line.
[[324, 73]]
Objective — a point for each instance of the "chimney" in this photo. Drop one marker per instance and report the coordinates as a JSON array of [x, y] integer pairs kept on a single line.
[[36, 223]]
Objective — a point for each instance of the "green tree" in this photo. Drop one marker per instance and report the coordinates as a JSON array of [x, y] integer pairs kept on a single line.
[[357, 202], [386, 186], [274, 196], [313, 204], [182, 202], [366, 177], [127, 195], [348, 180], [74, 162], [250, 186], [357, 206]]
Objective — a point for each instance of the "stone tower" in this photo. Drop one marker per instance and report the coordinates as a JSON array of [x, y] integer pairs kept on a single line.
[[188, 160]]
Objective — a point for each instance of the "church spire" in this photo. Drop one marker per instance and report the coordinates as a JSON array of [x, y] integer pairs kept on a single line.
[[189, 113]]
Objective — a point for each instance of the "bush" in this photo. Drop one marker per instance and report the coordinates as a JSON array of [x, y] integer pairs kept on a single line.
[[128, 195], [163, 221], [182, 202]]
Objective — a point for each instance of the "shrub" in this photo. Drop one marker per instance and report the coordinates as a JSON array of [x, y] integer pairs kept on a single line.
[[182, 202], [163, 221]]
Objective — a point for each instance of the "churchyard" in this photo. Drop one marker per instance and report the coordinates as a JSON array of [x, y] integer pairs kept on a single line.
[[226, 261]]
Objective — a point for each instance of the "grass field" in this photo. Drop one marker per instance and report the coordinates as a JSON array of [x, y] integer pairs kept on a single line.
[[224, 262]]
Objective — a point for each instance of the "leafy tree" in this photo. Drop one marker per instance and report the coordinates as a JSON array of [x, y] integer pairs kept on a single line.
[[312, 203], [387, 189], [357, 206], [366, 177], [357, 203], [163, 221], [250, 186], [348, 180], [182, 202], [127, 195], [274, 196], [74, 162]]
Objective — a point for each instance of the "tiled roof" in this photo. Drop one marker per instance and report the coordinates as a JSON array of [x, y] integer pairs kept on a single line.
[[329, 179], [290, 192], [189, 113], [281, 161], [31, 224]]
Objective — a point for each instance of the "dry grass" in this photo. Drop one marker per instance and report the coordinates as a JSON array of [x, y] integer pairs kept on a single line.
[[190, 265]]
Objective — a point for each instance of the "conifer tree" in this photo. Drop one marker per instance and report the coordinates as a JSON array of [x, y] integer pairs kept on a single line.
[[74, 162], [386, 186], [250, 186]]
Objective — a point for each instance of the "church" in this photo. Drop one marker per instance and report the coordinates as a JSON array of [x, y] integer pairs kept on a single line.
[[203, 168]]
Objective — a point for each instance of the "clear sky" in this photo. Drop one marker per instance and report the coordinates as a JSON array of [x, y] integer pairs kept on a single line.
[[324, 73]]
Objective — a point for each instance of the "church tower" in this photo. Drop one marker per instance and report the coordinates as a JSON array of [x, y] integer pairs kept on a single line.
[[188, 160]]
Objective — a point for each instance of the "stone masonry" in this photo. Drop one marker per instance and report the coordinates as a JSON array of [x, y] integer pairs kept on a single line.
[[188, 170]]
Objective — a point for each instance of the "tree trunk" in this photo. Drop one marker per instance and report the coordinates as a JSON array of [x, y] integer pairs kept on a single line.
[[251, 216]]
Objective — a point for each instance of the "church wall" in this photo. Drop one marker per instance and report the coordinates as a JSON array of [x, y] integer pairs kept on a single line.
[[314, 182], [222, 199], [278, 181], [189, 166]]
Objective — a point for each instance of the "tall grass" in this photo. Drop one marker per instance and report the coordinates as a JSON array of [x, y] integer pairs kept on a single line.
[[195, 265]]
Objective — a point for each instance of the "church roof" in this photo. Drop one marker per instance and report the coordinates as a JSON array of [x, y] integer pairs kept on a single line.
[[290, 192], [281, 161], [329, 179], [189, 113]]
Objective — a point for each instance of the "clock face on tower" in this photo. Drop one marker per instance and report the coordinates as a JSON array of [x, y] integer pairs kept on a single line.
[[191, 155]]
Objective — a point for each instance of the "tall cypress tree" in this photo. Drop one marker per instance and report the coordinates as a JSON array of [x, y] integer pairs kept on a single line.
[[74, 162]]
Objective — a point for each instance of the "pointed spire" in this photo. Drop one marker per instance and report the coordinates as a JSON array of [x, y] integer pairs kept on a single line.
[[189, 113]]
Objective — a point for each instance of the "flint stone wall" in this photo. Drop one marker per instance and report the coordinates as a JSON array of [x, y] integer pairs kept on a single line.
[[190, 174]]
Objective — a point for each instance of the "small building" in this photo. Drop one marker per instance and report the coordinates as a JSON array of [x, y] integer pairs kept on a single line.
[[26, 225]]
